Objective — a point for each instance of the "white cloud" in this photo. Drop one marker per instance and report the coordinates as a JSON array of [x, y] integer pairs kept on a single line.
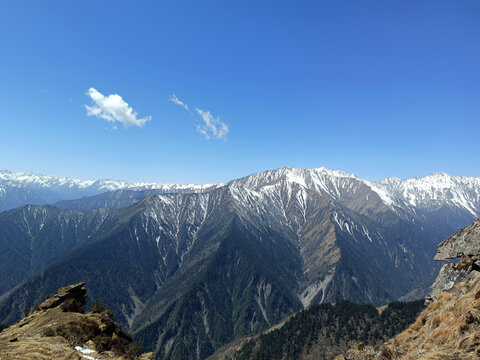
[[113, 109], [173, 98], [211, 127]]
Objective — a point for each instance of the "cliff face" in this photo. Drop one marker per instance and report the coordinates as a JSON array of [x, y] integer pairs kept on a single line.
[[58, 329], [449, 328], [463, 245], [464, 242]]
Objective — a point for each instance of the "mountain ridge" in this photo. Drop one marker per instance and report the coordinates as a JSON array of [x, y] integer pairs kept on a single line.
[[232, 259], [393, 191]]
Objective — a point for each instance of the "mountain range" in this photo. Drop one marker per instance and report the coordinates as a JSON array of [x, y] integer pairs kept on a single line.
[[188, 268], [17, 189]]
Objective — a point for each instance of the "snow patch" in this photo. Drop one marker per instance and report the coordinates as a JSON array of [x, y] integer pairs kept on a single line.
[[384, 195], [86, 350], [89, 357]]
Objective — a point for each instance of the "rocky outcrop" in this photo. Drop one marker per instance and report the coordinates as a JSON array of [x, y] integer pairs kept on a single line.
[[59, 329], [69, 298], [465, 244], [448, 278]]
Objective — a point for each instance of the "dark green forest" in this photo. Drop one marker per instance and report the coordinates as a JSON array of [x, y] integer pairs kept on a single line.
[[326, 330]]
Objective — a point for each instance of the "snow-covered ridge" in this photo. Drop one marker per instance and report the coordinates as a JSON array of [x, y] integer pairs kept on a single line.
[[17, 189], [48, 181], [429, 192], [435, 190], [20, 178]]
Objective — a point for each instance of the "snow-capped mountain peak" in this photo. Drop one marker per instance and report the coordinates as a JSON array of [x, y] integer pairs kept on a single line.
[[336, 173], [49, 181], [428, 192], [29, 188], [436, 190]]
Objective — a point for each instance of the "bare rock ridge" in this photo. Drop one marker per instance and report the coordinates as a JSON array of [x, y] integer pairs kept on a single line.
[[59, 329], [69, 298], [465, 244], [449, 328]]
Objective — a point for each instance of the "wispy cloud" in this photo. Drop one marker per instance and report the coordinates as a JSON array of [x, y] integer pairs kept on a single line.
[[173, 98], [210, 127], [113, 109]]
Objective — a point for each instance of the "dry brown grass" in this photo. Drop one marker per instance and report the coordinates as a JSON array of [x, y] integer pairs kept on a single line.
[[449, 328]]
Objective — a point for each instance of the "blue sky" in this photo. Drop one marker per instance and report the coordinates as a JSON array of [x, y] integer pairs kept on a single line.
[[377, 88]]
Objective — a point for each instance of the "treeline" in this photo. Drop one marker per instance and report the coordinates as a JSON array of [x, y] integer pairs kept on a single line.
[[326, 330]]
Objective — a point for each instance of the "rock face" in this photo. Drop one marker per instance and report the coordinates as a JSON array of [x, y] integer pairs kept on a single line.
[[69, 298], [465, 244], [449, 328], [58, 329]]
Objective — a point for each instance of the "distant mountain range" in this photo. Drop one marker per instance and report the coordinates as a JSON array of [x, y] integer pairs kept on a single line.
[[188, 268], [17, 189]]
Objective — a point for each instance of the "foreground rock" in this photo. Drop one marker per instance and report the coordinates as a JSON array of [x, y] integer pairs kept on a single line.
[[449, 328], [58, 329]]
